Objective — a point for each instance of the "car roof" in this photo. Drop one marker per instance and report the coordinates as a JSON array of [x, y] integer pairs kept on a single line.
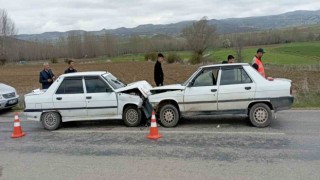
[[88, 73], [225, 65]]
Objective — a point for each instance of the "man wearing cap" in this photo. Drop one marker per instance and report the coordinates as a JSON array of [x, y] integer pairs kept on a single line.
[[229, 61], [257, 63]]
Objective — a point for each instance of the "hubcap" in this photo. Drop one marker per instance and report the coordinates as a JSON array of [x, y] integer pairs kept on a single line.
[[132, 116], [168, 115], [51, 120], [261, 115]]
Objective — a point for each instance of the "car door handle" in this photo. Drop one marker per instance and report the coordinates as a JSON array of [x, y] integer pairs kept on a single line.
[[59, 98], [88, 97], [247, 88], [213, 90]]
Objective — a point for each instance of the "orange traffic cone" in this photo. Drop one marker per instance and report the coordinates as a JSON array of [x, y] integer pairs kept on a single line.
[[154, 134], [17, 130]]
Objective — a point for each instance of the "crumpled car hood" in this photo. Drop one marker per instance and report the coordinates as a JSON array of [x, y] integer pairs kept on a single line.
[[143, 86]]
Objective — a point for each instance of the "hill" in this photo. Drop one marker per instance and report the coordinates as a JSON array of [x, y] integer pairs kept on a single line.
[[224, 26]]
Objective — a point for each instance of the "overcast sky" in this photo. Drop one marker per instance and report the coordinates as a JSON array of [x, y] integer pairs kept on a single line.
[[38, 16]]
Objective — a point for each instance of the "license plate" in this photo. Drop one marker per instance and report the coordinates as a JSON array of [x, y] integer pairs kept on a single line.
[[13, 101]]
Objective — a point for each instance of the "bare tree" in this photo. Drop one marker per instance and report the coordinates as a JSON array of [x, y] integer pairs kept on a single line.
[[89, 45], [110, 45], [198, 36], [7, 29], [74, 45], [238, 47]]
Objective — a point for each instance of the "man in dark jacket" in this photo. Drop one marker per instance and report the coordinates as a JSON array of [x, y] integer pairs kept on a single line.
[[158, 73], [71, 68], [46, 76]]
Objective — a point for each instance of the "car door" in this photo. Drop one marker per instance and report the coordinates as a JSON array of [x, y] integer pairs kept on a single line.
[[69, 98], [201, 93], [236, 89], [101, 100]]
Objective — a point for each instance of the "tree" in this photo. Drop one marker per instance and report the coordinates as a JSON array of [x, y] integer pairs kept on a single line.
[[238, 47], [198, 37], [89, 45], [74, 45], [7, 29], [110, 45], [226, 43]]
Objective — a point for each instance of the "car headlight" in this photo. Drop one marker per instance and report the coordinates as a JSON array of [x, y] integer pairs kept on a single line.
[[1, 97]]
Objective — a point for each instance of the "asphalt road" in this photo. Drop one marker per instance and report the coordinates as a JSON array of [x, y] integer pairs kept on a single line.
[[201, 148]]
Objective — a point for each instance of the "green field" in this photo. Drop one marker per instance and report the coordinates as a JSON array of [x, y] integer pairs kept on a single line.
[[305, 53]]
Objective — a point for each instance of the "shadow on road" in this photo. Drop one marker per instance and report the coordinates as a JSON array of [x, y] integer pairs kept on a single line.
[[184, 122]]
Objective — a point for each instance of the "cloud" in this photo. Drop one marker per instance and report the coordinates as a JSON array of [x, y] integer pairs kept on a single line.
[[37, 16]]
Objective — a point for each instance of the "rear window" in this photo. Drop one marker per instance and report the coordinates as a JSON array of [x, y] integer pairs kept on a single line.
[[71, 86]]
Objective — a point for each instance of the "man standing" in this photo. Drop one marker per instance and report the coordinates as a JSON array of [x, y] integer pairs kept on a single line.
[[229, 61], [46, 76], [257, 63], [71, 67], [158, 73]]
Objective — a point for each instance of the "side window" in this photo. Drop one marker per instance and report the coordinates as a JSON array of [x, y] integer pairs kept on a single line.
[[234, 76], [96, 85], [70, 86], [206, 78]]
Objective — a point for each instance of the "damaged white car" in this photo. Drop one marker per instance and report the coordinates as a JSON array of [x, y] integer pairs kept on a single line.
[[88, 96], [236, 89]]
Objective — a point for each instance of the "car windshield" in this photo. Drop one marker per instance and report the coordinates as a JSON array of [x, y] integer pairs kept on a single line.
[[191, 77], [113, 81]]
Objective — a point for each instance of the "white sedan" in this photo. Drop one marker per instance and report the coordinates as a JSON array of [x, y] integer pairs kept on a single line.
[[88, 96], [236, 89]]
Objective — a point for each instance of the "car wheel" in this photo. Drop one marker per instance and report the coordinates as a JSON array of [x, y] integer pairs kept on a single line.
[[131, 116], [169, 115], [51, 120], [260, 115]]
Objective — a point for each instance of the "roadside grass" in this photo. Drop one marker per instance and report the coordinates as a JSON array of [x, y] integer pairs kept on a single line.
[[302, 53], [307, 100]]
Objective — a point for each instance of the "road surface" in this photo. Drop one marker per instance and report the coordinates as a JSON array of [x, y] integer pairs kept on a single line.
[[201, 148]]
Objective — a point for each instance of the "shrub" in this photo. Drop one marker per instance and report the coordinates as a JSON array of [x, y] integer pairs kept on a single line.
[[151, 56], [173, 57], [2, 62], [196, 58], [54, 60]]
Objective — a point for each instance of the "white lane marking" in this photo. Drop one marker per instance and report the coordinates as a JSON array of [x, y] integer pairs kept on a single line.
[[168, 132]]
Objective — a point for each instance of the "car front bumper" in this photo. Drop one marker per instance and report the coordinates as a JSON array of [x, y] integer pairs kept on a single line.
[[9, 103]]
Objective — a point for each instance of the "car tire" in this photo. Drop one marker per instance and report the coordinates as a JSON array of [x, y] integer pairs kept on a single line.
[[260, 115], [132, 116], [169, 116], [51, 120]]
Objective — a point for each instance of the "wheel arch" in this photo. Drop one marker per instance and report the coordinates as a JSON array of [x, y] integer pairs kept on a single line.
[[167, 101], [56, 111], [127, 105], [268, 103]]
